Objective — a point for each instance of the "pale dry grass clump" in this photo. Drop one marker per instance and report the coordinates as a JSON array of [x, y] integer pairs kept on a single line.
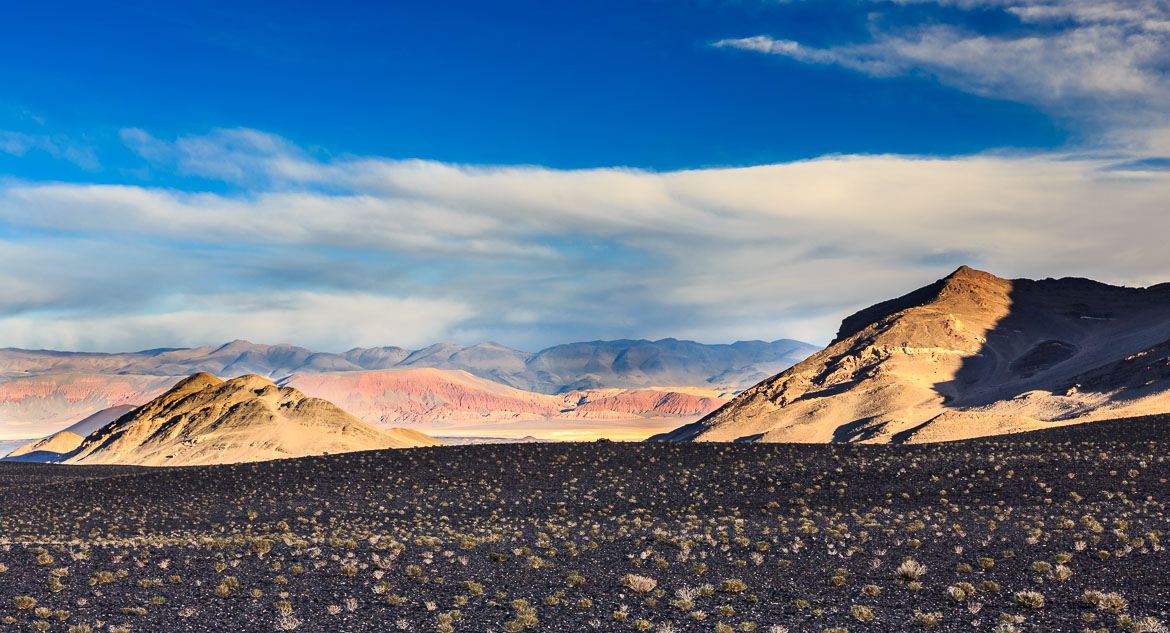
[[640, 584], [910, 569]]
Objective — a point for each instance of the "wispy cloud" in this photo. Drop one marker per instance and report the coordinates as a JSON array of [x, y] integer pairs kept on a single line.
[[333, 320], [1104, 62], [341, 251], [55, 145], [237, 155]]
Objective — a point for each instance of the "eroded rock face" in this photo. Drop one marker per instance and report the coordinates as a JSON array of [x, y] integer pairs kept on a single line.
[[205, 420], [429, 396], [46, 403], [967, 356]]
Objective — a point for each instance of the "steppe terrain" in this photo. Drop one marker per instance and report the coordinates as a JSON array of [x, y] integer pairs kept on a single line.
[[1058, 531], [967, 356]]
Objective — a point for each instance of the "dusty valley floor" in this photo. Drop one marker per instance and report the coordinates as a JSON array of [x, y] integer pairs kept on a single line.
[[1059, 530]]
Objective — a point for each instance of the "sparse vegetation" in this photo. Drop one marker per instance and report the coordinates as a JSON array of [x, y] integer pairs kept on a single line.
[[1030, 599], [670, 538]]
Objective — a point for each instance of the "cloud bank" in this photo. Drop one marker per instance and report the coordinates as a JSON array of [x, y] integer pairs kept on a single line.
[[334, 252]]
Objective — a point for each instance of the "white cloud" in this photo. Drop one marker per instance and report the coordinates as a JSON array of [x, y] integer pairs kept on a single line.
[[533, 256], [1104, 61], [330, 321], [233, 155], [57, 146]]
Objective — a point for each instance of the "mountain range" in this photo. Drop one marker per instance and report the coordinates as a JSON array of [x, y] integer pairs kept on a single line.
[[631, 388], [967, 356], [627, 364]]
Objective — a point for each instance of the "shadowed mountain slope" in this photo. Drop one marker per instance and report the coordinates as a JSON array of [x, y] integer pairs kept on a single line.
[[969, 355]]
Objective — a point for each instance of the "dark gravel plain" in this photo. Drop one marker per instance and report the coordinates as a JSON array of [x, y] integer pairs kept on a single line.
[[539, 537]]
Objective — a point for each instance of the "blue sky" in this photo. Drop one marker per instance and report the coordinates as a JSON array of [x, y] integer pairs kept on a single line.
[[563, 85], [537, 172]]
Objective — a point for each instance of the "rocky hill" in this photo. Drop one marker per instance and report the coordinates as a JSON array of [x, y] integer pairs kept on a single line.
[[205, 420], [967, 356]]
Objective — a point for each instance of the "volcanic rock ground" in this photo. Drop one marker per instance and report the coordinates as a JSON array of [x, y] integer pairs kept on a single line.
[[538, 537]]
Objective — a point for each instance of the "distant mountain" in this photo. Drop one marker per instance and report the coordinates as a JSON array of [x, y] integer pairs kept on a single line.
[[969, 355], [43, 391], [669, 362], [205, 420], [449, 402], [50, 401], [100, 419], [463, 441], [432, 400], [49, 449], [593, 365], [235, 358], [52, 447]]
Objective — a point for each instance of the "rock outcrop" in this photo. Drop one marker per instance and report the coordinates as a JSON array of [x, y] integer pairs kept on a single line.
[[205, 420], [967, 356]]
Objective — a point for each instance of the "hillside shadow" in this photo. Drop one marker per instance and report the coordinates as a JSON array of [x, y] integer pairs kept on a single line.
[[989, 361], [1045, 326], [45, 457], [856, 431], [901, 437]]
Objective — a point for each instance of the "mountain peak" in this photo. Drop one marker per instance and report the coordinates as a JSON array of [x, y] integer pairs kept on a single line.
[[967, 275], [249, 381], [236, 344], [490, 345], [966, 271], [965, 283], [196, 382], [968, 288], [243, 346]]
